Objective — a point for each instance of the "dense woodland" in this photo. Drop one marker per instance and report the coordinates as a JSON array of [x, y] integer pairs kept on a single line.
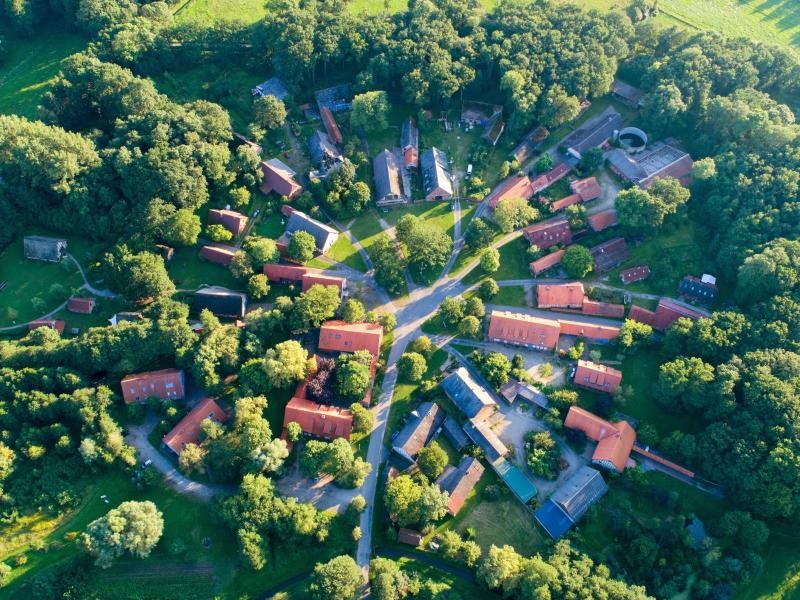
[[114, 159]]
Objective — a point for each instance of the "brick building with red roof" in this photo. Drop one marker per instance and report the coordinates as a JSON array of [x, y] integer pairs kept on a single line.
[[164, 384], [219, 253], [512, 187], [597, 377], [641, 315], [564, 202], [523, 330], [317, 420], [561, 295], [669, 311], [232, 220], [549, 233], [330, 125], [49, 323], [609, 254], [634, 274], [546, 262], [292, 274], [589, 331], [278, 177], [587, 189], [545, 180], [603, 220], [603, 309], [188, 429], [340, 336], [459, 481], [81, 306], [614, 440]]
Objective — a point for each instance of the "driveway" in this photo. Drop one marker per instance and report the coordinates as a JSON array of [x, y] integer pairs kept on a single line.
[[322, 493]]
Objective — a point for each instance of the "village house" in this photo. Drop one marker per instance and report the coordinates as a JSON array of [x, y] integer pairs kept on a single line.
[[626, 93], [233, 221], [511, 187], [595, 133], [324, 153], [609, 254], [188, 429], [603, 220], [548, 261], [541, 182], [388, 180], [703, 290], [436, 182], [599, 378], [614, 440], [49, 323], [306, 276], [420, 427], [324, 235], [409, 143], [341, 336], [481, 434], [523, 330], [38, 247], [317, 420], [220, 301], [669, 311], [278, 177], [165, 384], [562, 295], [660, 159], [603, 309], [634, 274], [587, 189], [459, 481], [549, 233], [589, 331], [558, 205], [219, 253], [571, 501], [81, 306], [468, 396]]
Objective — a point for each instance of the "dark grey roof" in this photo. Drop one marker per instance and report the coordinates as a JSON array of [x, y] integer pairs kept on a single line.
[[455, 434], [323, 152], [220, 301], [386, 171], [595, 132], [272, 87], [625, 164], [417, 431], [300, 221], [336, 98], [698, 290], [655, 159], [625, 90], [579, 492], [468, 396], [435, 171], [38, 247], [482, 436], [409, 134]]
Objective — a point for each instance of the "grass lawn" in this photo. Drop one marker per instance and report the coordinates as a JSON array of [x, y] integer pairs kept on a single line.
[[677, 250], [463, 589], [513, 264], [436, 213], [366, 228], [30, 67], [345, 252], [501, 522], [189, 271], [271, 226], [209, 11], [512, 295]]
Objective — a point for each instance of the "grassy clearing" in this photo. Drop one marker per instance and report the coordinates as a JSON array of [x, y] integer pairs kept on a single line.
[[502, 522], [345, 252], [209, 11], [30, 67], [436, 213], [366, 228], [512, 295], [461, 589], [513, 264], [189, 271]]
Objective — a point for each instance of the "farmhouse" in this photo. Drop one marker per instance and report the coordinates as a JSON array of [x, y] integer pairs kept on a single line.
[[38, 247], [436, 181], [233, 221], [409, 143], [482, 436], [468, 396], [512, 187], [81, 306], [589, 331], [597, 377], [271, 87], [614, 440], [548, 233], [324, 153], [563, 295], [634, 274], [657, 160], [523, 330], [187, 431], [641, 315], [279, 178], [388, 181], [548, 261], [220, 301], [595, 133], [571, 501], [609, 254], [564, 202], [545, 180], [626, 93], [49, 323], [669, 311], [603, 309], [340, 336], [324, 235], [417, 432], [459, 481], [306, 276], [166, 384], [529, 143], [603, 220], [331, 127], [317, 420], [699, 290], [454, 434], [218, 253], [587, 189]]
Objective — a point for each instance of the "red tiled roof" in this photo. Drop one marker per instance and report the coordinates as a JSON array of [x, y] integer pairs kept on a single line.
[[409, 536], [565, 202], [588, 330], [512, 187], [217, 253], [278, 273], [279, 178], [634, 274], [233, 221], [615, 440], [187, 431], [83, 306], [597, 377], [609, 254], [641, 315], [460, 481], [411, 157], [51, 323], [669, 311], [286, 210], [603, 220], [549, 233], [545, 180], [562, 295], [524, 330], [166, 384], [588, 189], [310, 279], [330, 125], [603, 309], [318, 420], [546, 262], [340, 336]]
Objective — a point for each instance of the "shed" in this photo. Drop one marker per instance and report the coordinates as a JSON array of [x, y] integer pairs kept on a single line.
[[220, 301], [39, 247], [83, 306], [409, 536]]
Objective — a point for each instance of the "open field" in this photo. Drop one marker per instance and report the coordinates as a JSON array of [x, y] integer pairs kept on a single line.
[[189, 271], [513, 264]]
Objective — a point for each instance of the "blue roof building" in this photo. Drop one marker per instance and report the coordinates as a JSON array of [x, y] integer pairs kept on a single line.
[[571, 501]]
